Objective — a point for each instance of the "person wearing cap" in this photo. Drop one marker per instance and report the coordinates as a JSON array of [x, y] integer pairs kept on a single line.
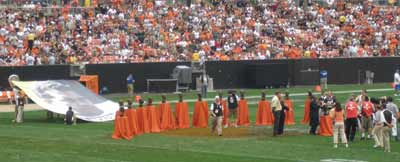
[[217, 115]]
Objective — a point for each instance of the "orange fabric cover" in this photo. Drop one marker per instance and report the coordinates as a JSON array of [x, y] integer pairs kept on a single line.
[[306, 117], [325, 126], [167, 121], [200, 114], [154, 120], [182, 115], [225, 119], [143, 120], [289, 115], [121, 128], [132, 121], [264, 114], [243, 113]]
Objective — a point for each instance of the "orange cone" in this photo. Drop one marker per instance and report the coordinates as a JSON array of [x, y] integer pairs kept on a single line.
[[318, 88]]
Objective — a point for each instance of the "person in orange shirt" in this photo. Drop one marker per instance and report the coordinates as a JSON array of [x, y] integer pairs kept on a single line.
[[166, 118], [182, 113], [338, 129]]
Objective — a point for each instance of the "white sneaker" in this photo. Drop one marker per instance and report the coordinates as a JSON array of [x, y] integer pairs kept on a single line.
[[376, 146], [335, 146], [226, 126], [346, 145]]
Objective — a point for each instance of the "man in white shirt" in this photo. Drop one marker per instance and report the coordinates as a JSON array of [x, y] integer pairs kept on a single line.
[[378, 125], [392, 107], [387, 119], [397, 82], [276, 109]]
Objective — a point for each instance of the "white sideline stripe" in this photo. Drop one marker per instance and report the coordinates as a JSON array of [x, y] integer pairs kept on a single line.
[[292, 94]]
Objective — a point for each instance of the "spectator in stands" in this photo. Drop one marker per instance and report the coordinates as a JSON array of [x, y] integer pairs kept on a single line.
[[144, 31]]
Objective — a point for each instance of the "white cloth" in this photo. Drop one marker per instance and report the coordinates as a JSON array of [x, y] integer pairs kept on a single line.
[[396, 78]]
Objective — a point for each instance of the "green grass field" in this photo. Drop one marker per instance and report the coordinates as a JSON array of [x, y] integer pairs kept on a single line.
[[42, 140]]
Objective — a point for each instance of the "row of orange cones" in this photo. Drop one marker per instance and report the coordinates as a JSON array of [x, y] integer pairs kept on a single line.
[[152, 119]]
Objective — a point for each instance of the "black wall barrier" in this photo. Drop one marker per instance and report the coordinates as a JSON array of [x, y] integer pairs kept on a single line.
[[352, 70], [226, 74], [29, 73], [113, 76], [249, 74]]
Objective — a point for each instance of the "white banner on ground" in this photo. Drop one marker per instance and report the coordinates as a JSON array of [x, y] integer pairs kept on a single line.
[[58, 95]]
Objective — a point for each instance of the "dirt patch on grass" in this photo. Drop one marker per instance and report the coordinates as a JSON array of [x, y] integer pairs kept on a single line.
[[241, 132]]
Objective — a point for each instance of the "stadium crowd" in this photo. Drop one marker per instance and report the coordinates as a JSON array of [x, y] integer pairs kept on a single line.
[[153, 31]]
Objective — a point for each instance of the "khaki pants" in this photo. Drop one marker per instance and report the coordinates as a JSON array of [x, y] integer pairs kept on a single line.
[[386, 138], [367, 124], [20, 114], [377, 133], [217, 124], [130, 89], [338, 130]]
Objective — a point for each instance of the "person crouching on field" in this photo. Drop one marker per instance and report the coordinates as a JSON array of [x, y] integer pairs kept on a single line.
[[217, 115], [338, 128]]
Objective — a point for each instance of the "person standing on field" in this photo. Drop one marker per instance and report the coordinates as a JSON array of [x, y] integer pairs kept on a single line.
[[233, 105], [367, 110], [217, 115], [130, 81], [351, 119], [338, 128], [394, 110], [277, 109], [397, 82]]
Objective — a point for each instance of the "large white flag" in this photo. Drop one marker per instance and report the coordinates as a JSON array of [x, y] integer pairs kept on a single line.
[[58, 95]]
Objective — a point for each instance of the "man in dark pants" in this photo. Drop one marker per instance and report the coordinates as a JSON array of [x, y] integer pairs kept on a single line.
[[277, 110], [314, 115], [233, 106], [351, 119], [282, 118]]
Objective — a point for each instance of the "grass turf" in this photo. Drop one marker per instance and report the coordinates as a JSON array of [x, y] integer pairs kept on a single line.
[[42, 140]]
